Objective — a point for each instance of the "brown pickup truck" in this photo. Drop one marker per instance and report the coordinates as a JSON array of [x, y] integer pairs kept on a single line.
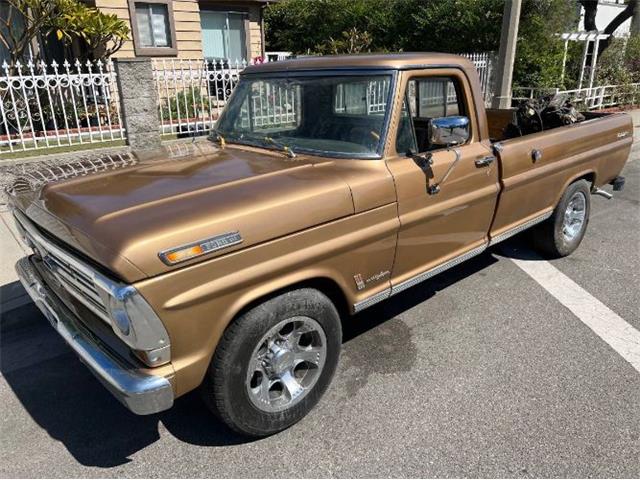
[[329, 184]]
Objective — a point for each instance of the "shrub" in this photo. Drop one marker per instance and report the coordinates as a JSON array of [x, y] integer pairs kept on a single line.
[[23, 21], [612, 68], [632, 57], [539, 51], [190, 103]]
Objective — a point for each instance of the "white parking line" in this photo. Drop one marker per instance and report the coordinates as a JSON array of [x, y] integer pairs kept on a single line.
[[605, 323]]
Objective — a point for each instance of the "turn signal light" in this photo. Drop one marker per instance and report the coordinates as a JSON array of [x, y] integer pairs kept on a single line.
[[208, 245], [184, 254]]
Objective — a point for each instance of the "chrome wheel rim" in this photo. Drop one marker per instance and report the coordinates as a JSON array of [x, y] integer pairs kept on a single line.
[[286, 364], [574, 216]]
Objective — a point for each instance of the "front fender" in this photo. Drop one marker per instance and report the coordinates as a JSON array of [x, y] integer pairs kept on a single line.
[[196, 303]]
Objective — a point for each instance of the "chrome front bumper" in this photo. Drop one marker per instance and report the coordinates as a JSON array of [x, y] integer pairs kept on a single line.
[[141, 393]]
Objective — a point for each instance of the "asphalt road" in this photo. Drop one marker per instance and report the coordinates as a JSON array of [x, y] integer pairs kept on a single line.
[[479, 372]]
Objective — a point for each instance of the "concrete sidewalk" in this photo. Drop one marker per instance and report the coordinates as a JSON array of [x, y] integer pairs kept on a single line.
[[12, 295]]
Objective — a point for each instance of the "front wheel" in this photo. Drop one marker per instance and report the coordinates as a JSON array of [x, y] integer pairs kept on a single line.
[[274, 362], [562, 233]]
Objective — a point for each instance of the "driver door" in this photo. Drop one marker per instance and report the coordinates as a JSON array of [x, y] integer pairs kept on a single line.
[[438, 228]]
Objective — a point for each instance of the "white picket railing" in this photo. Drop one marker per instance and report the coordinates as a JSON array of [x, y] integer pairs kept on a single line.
[[484, 63], [595, 98], [192, 93], [375, 92], [44, 106], [273, 106]]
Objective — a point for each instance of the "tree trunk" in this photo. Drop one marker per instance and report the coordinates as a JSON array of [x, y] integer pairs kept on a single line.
[[590, 11], [622, 17]]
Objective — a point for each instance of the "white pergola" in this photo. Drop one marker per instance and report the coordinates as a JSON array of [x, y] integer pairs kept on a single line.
[[588, 38]]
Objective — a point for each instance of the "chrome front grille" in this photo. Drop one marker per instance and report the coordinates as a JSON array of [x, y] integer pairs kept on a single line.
[[134, 321], [73, 275], [76, 282]]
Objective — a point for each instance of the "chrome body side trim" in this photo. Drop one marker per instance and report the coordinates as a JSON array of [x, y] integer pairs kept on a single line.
[[520, 228], [372, 300], [378, 297], [389, 292], [141, 393], [436, 270]]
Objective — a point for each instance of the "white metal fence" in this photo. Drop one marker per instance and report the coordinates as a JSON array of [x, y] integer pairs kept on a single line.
[[192, 93], [595, 98], [484, 63], [348, 97], [273, 105], [44, 106]]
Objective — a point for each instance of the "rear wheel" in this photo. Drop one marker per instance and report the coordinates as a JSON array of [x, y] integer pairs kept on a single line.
[[274, 363], [562, 233]]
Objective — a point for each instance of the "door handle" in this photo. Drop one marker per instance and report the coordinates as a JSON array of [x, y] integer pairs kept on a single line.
[[485, 161]]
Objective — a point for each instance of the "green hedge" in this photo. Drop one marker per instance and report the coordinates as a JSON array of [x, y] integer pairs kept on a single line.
[[456, 26]]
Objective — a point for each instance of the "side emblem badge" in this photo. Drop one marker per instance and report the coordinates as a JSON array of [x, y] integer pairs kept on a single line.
[[362, 283], [202, 247]]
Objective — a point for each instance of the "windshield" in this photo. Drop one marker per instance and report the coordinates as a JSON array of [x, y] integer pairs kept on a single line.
[[340, 116]]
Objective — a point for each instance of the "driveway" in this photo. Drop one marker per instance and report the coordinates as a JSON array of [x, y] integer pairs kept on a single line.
[[488, 370]]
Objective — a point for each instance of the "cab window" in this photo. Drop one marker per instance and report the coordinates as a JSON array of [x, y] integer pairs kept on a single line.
[[431, 97], [361, 97], [405, 140]]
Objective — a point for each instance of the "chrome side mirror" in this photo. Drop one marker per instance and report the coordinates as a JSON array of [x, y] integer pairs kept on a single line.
[[449, 131]]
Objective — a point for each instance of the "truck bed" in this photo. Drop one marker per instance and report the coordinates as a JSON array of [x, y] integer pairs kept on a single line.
[[498, 119], [537, 168]]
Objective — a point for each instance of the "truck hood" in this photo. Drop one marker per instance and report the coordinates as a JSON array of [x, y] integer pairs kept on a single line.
[[123, 216]]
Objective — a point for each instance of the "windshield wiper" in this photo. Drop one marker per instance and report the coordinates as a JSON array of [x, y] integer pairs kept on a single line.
[[285, 148]]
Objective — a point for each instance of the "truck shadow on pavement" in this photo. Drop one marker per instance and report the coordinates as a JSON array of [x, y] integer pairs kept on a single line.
[[63, 398]]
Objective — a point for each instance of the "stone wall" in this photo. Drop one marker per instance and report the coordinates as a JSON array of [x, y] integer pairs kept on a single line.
[[139, 102]]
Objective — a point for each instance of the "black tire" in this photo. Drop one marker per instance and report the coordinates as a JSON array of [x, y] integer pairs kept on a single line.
[[225, 386], [549, 237]]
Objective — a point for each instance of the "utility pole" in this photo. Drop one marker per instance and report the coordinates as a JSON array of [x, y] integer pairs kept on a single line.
[[506, 54], [635, 19]]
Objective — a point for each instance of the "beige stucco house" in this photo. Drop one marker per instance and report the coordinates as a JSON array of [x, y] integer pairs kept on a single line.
[[191, 28]]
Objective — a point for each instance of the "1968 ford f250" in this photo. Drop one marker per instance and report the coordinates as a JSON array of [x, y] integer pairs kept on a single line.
[[328, 184]]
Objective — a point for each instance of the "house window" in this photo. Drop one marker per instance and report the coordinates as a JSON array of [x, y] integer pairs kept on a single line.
[[153, 30], [153, 24], [224, 35]]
